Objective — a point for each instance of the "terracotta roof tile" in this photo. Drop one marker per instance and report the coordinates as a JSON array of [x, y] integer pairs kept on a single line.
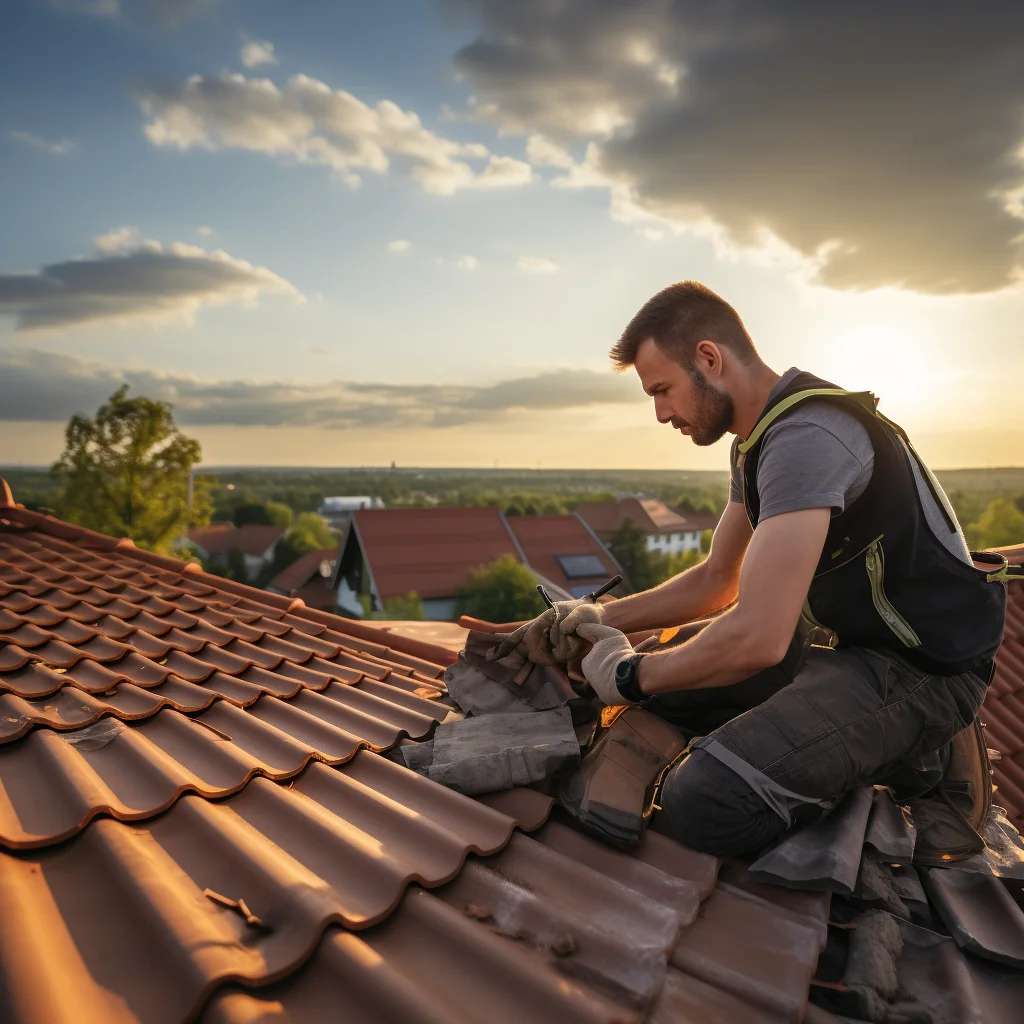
[[337, 846], [431, 964]]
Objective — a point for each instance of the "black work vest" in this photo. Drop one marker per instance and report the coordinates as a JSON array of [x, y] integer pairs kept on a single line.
[[884, 580]]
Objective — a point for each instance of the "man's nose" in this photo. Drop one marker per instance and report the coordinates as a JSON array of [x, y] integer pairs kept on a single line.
[[662, 410]]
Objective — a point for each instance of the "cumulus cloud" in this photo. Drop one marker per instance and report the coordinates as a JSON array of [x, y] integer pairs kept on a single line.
[[45, 386], [129, 280], [255, 53], [117, 239], [57, 147], [880, 142], [536, 265], [399, 245], [308, 122]]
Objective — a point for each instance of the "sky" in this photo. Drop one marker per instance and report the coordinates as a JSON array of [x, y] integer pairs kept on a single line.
[[344, 234]]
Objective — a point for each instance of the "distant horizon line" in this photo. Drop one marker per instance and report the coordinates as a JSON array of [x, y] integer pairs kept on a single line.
[[484, 469]]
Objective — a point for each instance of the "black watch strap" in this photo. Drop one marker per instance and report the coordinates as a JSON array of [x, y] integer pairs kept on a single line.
[[627, 679]]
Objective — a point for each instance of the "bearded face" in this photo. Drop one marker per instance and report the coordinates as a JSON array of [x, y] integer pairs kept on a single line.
[[713, 413]]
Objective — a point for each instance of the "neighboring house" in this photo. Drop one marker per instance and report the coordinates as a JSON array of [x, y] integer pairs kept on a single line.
[[254, 540], [338, 510], [309, 578], [430, 551], [666, 530]]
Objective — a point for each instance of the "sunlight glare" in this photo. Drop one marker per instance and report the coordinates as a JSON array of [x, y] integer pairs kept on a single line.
[[889, 360]]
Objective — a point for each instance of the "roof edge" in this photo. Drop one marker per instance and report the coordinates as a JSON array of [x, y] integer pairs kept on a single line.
[[604, 547], [515, 540], [82, 535], [6, 497]]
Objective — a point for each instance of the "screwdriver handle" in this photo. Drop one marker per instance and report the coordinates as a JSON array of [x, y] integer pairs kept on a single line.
[[602, 590]]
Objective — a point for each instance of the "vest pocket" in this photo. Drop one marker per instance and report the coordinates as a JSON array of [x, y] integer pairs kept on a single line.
[[874, 562]]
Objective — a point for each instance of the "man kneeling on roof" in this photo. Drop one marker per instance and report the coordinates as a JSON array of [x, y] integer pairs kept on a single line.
[[858, 632]]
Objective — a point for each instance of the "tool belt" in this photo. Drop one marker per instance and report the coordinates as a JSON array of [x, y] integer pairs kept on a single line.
[[613, 792]]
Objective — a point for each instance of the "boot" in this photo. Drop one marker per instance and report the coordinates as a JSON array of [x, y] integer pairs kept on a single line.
[[950, 818]]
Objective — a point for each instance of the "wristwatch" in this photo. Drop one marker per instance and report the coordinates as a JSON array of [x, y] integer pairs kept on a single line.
[[627, 680]]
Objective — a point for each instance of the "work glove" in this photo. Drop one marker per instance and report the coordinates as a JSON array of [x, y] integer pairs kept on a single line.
[[532, 640], [550, 638], [609, 648], [566, 646]]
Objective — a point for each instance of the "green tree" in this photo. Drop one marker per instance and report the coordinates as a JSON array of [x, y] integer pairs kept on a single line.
[[643, 568], [126, 473], [1000, 524], [308, 532], [252, 512], [503, 591], [279, 513]]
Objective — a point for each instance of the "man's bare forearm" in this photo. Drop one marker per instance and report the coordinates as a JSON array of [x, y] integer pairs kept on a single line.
[[728, 650], [756, 633], [688, 596]]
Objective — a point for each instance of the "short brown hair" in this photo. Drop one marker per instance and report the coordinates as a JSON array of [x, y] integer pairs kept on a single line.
[[677, 319]]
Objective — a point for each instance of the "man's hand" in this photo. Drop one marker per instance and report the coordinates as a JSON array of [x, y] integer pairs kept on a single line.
[[532, 640], [565, 645], [610, 647], [550, 638]]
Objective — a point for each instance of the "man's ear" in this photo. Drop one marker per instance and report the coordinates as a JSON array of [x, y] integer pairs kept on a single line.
[[708, 356]]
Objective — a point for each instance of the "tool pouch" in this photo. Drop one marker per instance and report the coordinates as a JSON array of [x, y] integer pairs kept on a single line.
[[612, 792]]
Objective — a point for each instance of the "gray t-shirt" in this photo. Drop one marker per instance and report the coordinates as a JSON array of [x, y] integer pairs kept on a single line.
[[820, 456]]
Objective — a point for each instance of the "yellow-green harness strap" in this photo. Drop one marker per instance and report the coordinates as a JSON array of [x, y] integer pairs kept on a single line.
[[864, 398]]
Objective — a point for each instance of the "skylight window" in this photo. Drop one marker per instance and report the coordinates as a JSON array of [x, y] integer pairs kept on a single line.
[[577, 567]]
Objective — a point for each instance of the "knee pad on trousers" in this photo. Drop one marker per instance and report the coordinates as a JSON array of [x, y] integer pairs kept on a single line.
[[709, 808]]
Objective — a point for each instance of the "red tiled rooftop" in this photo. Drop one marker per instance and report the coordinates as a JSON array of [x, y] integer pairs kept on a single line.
[[429, 550], [544, 538], [251, 539], [195, 822], [650, 514], [302, 570]]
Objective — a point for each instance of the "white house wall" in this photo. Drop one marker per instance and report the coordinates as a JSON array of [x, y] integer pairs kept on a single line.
[[673, 543]]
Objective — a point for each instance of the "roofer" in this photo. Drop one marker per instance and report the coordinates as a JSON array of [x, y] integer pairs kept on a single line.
[[858, 634]]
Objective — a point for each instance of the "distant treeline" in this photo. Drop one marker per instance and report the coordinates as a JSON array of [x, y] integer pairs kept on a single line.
[[987, 501], [525, 492]]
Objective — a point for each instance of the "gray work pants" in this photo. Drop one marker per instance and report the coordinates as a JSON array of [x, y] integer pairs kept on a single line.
[[820, 723]]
